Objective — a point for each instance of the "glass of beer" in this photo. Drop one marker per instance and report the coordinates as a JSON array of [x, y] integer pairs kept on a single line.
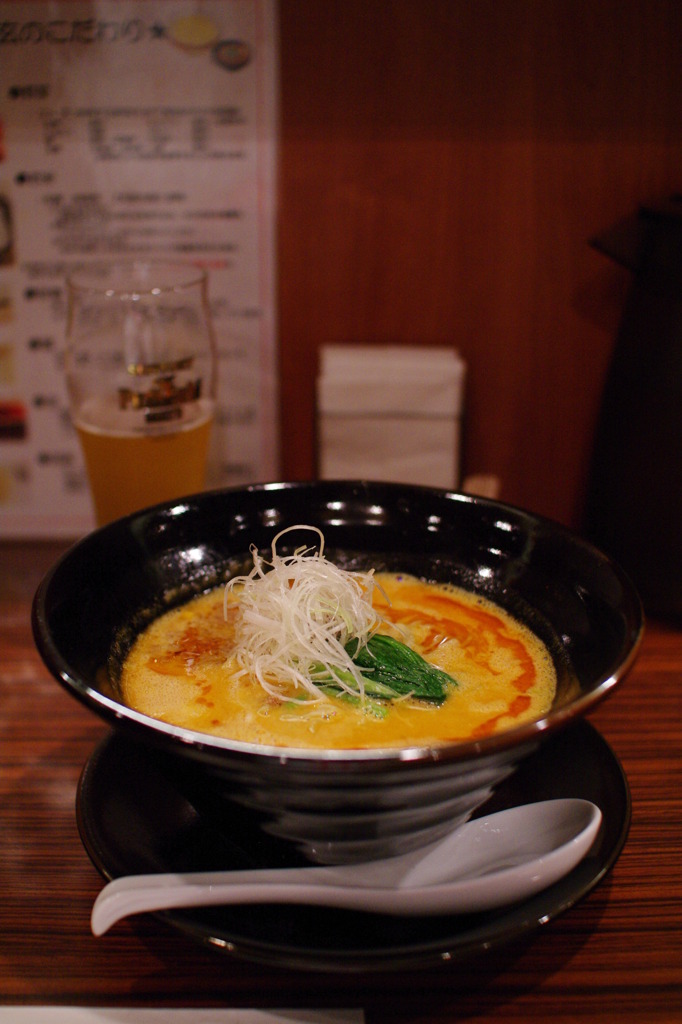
[[140, 371]]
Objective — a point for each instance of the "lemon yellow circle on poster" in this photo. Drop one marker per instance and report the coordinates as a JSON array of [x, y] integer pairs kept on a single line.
[[193, 32]]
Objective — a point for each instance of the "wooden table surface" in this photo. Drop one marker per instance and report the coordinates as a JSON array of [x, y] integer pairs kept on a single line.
[[616, 955]]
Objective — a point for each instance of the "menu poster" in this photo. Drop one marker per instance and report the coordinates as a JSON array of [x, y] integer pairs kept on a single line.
[[132, 129]]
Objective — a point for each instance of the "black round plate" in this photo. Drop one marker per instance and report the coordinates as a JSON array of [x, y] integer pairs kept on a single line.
[[133, 820]]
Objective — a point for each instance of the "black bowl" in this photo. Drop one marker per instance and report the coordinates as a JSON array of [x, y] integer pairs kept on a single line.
[[350, 804]]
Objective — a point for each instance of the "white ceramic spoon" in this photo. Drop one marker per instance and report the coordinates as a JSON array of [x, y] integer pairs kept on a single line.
[[489, 862]]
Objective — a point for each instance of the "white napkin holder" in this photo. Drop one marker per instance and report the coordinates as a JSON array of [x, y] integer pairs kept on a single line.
[[390, 413]]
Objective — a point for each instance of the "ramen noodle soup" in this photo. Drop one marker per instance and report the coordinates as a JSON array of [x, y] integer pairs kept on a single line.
[[185, 670]]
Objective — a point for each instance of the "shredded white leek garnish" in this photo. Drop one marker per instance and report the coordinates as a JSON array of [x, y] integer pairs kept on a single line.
[[296, 613]]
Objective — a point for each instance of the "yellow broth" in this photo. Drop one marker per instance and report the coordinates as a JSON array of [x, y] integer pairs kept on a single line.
[[182, 670]]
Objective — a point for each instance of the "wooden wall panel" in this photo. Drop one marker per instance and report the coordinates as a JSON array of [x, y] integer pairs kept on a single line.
[[444, 164]]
